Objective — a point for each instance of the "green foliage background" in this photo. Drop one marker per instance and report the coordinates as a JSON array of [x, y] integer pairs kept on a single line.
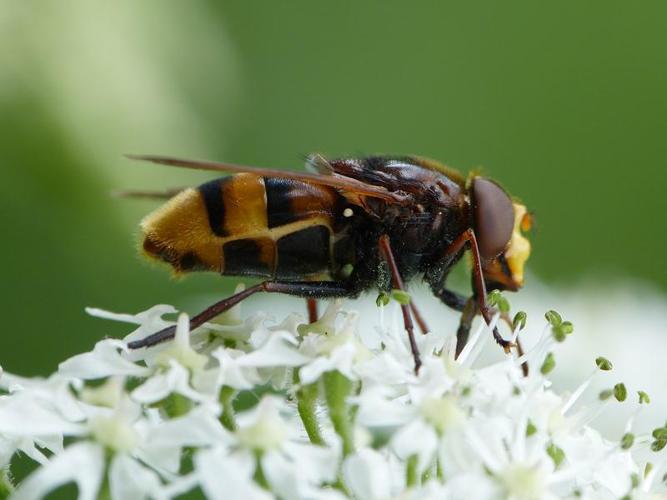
[[563, 102]]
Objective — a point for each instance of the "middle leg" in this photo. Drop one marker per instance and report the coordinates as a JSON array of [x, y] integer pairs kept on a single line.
[[311, 305], [397, 282]]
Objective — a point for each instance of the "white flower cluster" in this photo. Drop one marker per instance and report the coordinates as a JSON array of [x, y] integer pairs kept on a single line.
[[247, 409]]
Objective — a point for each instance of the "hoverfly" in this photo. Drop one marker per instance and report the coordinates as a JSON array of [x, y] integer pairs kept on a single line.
[[349, 226]]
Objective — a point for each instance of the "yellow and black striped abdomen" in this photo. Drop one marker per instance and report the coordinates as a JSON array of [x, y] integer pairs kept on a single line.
[[247, 225], [270, 227]]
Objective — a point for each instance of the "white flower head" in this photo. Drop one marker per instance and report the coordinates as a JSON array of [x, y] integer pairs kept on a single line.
[[255, 409]]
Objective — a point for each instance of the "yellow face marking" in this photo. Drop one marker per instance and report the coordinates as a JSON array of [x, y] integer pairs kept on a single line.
[[245, 204], [518, 250]]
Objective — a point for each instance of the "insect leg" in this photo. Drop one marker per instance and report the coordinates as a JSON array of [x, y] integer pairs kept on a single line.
[[452, 299], [519, 348], [397, 282], [311, 304], [423, 327], [308, 289], [468, 315], [468, 236], [466, 306]]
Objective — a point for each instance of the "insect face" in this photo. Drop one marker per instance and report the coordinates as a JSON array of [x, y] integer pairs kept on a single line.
[[506, 271], [498, 223]]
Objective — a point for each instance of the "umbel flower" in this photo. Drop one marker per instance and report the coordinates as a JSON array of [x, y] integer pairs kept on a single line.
[[257, 409]]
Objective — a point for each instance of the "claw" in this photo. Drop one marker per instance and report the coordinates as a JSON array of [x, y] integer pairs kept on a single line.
[[505, 344]]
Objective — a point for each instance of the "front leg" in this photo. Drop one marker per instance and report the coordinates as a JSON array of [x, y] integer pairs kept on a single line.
[[468, 237]]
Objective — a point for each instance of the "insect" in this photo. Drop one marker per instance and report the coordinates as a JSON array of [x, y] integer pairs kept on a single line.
[[348, 226]]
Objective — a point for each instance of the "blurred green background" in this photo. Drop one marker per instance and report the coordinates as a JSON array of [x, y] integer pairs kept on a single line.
[[564, 102]]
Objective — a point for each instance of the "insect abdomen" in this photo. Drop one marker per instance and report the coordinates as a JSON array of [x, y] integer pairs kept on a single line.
[[269, 227]]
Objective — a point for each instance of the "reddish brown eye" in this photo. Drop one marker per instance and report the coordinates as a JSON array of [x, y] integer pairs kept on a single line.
[[493, 216]]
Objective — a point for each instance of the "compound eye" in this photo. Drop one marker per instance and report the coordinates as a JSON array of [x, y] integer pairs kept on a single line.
[[493, 216]]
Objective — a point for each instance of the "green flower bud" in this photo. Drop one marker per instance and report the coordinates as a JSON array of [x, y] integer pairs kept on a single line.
[[648, 468], [553, 318], [382, 299], [557, 454], [658, 444], [495, 298], [549, 364], [566, 327], [660, 433], [620, 392], [603, 363], [400, 296], [519, 321], [627, 440], [606, 394], [558, 333]]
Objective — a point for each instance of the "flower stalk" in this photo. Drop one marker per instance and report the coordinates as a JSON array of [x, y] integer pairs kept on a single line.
[[307, 406], [227, 395], [337, 388]]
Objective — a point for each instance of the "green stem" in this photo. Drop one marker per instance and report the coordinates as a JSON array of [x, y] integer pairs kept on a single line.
[[411, 471], [259, 476], [176, 405], [105, 487], [227, 395], [439, 472], [336, 389], [307, 404], [6, 485]]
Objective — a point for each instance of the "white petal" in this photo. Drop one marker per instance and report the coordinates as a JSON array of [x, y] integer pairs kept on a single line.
[[21, 415], [228, 477], [175, 379], [416, 438], [377, 410], [104, 360], [81, 463], [278, 350], [385, 369], [147, 316], [54, 392], [316, 463], [465, 486], [263, 427], [28, 447], [340, 359], [129, 479], [199, 428], [298, 467], [367, 475], [164, 440], [231, 373]]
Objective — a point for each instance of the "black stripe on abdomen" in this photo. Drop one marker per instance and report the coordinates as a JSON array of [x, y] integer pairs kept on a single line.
[[279, 193], [303, 252], [247, 257], [215, 207]]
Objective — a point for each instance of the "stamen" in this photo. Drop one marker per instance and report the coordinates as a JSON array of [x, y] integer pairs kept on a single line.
[[578, 392], [539, 350], [473, 347]]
